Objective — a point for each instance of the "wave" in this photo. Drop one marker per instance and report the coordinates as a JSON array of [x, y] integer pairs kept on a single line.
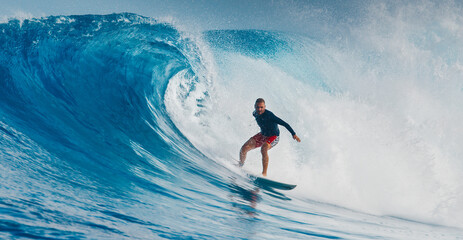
[[104, 112], [88, 81]]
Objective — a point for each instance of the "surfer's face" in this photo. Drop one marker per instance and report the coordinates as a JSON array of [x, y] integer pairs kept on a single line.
[[260, 108]]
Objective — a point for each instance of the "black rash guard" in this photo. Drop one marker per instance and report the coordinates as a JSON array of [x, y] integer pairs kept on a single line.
[[268, 124]]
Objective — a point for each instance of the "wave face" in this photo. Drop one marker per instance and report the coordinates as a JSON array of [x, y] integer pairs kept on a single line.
[[123, 127]]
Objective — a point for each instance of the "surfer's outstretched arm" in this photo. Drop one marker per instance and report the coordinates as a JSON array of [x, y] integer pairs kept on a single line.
[[287, 126]]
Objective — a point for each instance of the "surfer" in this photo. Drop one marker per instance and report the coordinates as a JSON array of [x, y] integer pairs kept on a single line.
[[268, 136]]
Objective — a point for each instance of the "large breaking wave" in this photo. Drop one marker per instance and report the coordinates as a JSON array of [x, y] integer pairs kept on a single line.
[[108, 119]]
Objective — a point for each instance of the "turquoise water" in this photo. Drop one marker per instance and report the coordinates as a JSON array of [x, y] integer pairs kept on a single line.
[[122, 126]]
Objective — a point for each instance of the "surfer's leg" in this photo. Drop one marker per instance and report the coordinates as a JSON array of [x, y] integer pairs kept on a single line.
[[247, 146], [268, 144], [264, 150]]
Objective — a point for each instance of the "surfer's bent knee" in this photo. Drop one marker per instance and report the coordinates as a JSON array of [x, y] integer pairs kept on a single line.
[[265, 147]]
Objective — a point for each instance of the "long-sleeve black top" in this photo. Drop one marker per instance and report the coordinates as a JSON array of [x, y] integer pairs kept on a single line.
[[268, 124]]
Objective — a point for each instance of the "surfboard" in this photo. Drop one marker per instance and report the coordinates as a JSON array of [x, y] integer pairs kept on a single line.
[[265, 182]]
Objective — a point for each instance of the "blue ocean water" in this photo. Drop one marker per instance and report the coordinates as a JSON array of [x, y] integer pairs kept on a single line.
[[122, 126]]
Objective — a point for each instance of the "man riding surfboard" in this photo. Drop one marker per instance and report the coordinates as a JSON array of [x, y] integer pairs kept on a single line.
[[268, 136]]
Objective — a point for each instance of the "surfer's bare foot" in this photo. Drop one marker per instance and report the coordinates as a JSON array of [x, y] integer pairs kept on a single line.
[[264, 174]]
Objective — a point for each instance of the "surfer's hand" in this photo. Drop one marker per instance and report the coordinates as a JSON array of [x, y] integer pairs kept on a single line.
[[295, 137]]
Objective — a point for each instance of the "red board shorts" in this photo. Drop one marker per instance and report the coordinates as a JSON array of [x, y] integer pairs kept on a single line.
[[260, 139]]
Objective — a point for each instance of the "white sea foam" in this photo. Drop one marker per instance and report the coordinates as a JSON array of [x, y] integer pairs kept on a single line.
[[380, 127]]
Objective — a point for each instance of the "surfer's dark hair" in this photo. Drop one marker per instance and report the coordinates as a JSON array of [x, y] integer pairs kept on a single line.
[[260, 100]]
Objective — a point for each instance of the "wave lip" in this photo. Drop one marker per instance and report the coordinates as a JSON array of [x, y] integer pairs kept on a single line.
[[89, 75], [87, 91]]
